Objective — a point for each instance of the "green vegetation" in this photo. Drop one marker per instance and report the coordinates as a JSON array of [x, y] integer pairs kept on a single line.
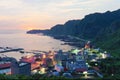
[[111, 43], [110, 68], [42, 77], [101, 28], [33, 77]]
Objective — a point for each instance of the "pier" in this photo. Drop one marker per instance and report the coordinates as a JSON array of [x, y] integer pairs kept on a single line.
[[11, 50]]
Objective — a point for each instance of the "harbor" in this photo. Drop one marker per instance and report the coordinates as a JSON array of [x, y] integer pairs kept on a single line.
[[75, 63]]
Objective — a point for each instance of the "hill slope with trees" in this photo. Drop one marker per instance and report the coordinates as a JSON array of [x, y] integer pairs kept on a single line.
[[103, 29]]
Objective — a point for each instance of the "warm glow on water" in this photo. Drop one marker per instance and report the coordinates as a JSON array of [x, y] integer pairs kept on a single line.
[[31, 42]]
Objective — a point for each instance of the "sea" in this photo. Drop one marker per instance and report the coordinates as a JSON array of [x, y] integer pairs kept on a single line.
[[19, 39]]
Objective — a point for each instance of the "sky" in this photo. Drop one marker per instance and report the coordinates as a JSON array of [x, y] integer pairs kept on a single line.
[[44, 14]]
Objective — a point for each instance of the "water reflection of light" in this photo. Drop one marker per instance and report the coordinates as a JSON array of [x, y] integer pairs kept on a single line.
[[29, 55]]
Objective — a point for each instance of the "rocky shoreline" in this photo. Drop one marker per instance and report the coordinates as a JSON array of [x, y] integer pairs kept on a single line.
[[70, 40], [67, 39]]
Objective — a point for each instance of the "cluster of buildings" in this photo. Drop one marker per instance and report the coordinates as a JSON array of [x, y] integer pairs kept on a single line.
[[9, 65], [53, 62]]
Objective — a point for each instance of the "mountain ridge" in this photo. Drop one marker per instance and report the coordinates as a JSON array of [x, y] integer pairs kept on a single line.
[[95, 27]]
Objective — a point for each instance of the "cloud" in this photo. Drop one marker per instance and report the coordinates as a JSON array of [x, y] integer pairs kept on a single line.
[[46, 13], [6, 24], [10, 4]]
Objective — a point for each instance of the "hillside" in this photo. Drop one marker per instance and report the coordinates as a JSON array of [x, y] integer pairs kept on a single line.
[[101, 28], [111, 41]]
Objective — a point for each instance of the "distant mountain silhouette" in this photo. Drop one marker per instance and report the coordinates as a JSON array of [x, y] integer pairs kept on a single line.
[[36, 31], [90, 26], [97, 27]]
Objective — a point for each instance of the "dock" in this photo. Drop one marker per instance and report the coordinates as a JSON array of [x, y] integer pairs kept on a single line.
[[11, 50]]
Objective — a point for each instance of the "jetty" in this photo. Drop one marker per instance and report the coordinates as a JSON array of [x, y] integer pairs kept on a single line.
[[10, 50]]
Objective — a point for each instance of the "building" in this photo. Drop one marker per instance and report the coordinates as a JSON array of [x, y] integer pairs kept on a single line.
[[29, 59], [81, 65], [21, 68], [5, 67]]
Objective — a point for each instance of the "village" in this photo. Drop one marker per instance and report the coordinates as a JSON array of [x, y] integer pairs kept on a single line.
[[76, 63]]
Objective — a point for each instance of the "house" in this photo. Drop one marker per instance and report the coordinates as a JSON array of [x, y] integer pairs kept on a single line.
[[81, 65], [59, 68], [5, 67], [21, 68]]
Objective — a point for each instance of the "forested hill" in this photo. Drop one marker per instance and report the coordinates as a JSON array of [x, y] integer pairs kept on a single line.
[[91, 26], [101, 28], [111, 40]]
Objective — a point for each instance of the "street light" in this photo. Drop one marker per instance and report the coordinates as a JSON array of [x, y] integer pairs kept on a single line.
[[85, 73]]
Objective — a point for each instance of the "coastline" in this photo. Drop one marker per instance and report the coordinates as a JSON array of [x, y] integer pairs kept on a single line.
[[67, 39], [71, 40]]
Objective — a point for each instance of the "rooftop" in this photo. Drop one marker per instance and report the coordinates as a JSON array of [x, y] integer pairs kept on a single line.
[[22, 63]]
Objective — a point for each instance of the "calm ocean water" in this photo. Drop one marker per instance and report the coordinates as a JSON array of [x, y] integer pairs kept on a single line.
[[30, 42]]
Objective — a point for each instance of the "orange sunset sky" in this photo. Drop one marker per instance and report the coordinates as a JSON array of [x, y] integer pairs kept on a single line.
[[43, 14]]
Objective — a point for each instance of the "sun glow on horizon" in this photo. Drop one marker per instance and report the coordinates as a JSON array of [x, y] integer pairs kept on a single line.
[[44, 14], [29, 27], [33, 27]]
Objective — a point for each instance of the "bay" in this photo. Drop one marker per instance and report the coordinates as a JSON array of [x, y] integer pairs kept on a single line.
[[30, 42]]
